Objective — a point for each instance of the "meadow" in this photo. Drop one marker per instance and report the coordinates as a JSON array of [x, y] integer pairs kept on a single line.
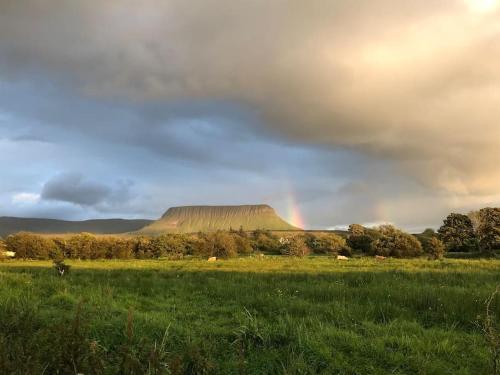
[[247, 315]]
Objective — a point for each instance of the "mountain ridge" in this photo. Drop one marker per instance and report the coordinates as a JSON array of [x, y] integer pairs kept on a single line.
[[10, 225], [207, 218]]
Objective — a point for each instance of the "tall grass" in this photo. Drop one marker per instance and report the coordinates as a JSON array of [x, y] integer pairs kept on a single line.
[[247, 315]]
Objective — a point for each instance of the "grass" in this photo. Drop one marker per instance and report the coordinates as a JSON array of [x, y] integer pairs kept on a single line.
[[247, 316]]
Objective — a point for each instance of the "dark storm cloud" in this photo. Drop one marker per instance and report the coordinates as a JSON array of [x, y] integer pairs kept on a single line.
[[75, 188], [358, 104], [72, 187], [372, 77]]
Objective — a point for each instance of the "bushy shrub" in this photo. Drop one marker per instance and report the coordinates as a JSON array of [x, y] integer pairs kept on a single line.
[[457, 233], [431, 244], [425, 238], [266, 242], [435, 248], [488, 230], [88, 246], [193, 243], [360, 238], [396, 243], [61, 268], [345, 250], [30, 246], [168, 245], [218, 244], [61, 250], [85, 246], [243, 244], [119, 248], [143, 249], [331, 244], [295, 246], [3, 249]]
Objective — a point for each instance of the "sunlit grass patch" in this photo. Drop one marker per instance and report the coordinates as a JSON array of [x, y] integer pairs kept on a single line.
[[270, 315]]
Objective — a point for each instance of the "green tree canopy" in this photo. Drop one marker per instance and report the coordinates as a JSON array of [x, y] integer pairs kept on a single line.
[[457, 233], [488, 230]]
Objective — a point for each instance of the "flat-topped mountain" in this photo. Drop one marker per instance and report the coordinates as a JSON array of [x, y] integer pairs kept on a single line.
[[190, 219], [9, 225]]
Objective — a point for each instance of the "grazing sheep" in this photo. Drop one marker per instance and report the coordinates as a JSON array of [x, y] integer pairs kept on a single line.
[[212, 259], [342, 257], [9, 254], [379, 257]]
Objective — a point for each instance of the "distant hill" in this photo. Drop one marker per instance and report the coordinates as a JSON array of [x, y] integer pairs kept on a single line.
[[190, 219], [9, 225]]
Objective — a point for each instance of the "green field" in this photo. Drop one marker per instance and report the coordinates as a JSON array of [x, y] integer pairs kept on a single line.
[[247, 316]]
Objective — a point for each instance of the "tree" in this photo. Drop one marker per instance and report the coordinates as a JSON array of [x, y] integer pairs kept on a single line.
[[295, 246], [488, 231], [429, 232], [219, 244], [326, 244], [475, 219], [435, 248], [396, 243], [457, 233], [425, 238], [361, 238]]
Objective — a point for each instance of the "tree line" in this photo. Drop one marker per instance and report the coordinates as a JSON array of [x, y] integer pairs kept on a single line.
[[478, 231]]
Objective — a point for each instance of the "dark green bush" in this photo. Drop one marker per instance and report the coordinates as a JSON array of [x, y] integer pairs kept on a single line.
[[425, 237], [331, 244], [488, 230], [457, 233], [396, 243], [360, 238]]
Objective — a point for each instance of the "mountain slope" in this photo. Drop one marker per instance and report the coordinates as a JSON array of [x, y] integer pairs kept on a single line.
[[189, 219], [9, 225]]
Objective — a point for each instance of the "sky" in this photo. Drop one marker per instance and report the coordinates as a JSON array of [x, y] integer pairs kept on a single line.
[[333, 112]]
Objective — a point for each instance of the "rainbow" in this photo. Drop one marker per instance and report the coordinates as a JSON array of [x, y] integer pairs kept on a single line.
[[294, 215]]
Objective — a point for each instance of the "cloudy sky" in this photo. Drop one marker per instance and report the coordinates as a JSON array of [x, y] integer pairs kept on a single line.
[[344, 111]]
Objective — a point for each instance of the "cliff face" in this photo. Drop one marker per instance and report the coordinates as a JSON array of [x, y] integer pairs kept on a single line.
[[189, 219]]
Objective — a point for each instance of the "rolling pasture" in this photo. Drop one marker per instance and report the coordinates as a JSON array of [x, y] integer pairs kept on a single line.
[[247, 315]]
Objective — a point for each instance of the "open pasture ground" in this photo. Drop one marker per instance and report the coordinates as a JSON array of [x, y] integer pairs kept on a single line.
[[247, 316]]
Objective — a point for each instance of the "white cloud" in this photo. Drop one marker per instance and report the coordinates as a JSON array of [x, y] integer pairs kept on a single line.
[[25, 198]]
